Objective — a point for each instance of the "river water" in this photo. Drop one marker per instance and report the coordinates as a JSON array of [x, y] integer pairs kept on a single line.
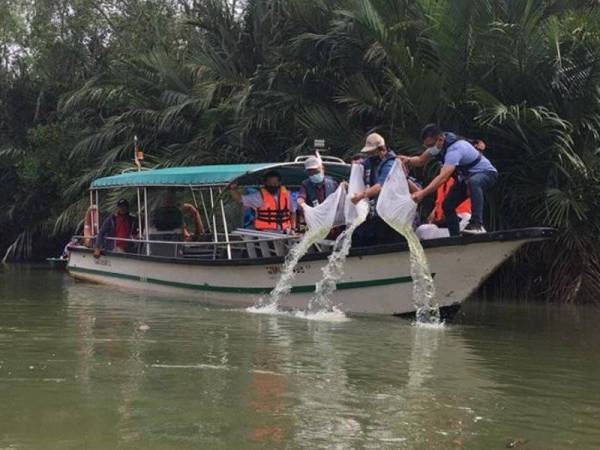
[[91, 367]]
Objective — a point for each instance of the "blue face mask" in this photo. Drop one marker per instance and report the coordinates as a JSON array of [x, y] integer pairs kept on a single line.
[[317, 178]]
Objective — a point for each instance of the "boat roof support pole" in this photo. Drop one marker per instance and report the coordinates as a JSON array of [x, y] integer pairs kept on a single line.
[[208, 225], [225, 224], [214, 217], [146, 230], [194, 197], [97, 208], [92, 215], [139, 211]]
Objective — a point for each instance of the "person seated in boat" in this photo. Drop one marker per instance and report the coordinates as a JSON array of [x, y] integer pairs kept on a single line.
[[170, 217], [474, 174], [249, 215], [272, 202], [69, 245], [120, 225]]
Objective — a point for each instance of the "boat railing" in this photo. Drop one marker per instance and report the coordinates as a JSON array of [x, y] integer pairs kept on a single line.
[[244, 247]]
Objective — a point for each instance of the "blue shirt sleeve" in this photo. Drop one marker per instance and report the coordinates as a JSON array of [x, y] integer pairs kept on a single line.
[[385, 170]]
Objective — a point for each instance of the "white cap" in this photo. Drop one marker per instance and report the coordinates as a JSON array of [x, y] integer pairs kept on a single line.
[[374, 141], [312, 162]]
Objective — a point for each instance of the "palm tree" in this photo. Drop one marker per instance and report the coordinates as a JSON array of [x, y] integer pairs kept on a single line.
[[259, 83]]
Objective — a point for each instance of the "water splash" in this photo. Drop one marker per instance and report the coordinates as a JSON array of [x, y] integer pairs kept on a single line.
[[334, 270], [283, 287], [332, 315], [319, 219]]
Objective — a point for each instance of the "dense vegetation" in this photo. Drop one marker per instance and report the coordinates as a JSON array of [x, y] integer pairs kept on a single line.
[[205, 81]]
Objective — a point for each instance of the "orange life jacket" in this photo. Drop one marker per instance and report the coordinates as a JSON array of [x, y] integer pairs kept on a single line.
[[438, 214], [272, 215]]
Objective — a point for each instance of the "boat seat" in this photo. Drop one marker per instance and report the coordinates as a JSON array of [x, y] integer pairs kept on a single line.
[[160, 249], [277, 245]]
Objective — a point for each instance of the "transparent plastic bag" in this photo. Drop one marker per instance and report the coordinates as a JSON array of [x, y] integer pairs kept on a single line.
[[395, 205], [356, 184], [322, 218]]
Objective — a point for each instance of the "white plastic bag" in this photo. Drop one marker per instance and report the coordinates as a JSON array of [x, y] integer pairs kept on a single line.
[[322, 218], [356, 184], [395, 205]]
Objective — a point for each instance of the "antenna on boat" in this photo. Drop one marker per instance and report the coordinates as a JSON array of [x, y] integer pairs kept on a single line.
[[138, 155], [319, 145]]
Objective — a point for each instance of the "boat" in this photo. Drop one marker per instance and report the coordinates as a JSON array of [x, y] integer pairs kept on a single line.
[[233, 266]]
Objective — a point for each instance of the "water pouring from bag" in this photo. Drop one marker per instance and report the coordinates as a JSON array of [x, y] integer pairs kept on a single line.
[[396, 207], [334, 270], [319, 220]]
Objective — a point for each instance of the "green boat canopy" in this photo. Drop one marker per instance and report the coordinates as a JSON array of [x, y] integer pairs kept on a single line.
[[216, 175]]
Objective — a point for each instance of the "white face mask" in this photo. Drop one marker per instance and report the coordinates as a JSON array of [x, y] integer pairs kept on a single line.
[[433, 150]]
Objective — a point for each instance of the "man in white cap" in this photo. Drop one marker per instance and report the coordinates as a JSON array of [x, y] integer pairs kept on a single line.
[[377, 166], [318, 186]]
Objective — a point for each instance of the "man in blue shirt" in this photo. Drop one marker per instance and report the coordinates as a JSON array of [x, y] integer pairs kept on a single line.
[[474, 174], [377, 166]]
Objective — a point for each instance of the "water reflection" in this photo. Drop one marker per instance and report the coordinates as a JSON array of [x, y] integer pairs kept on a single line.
[[206, 378]]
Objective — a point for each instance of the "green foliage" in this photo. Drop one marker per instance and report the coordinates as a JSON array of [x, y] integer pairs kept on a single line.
[[223, 81]]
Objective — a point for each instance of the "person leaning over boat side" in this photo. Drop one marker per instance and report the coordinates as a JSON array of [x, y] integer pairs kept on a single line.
[[272, 202], [377, 166], [436, 221], [318, 186], [122, 225], [474, 174]]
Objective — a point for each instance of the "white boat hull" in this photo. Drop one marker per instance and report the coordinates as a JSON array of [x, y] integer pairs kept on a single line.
[[372, 284]]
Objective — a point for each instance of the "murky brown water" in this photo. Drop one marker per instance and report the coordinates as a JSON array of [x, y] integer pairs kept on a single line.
[[90, 367]]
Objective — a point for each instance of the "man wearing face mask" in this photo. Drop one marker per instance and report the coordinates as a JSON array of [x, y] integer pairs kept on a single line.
[[318, 186], [272, 202], [474, 174]]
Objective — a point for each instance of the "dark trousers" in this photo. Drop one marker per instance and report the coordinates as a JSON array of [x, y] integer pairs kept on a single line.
[[474, 186], [374, 231]]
